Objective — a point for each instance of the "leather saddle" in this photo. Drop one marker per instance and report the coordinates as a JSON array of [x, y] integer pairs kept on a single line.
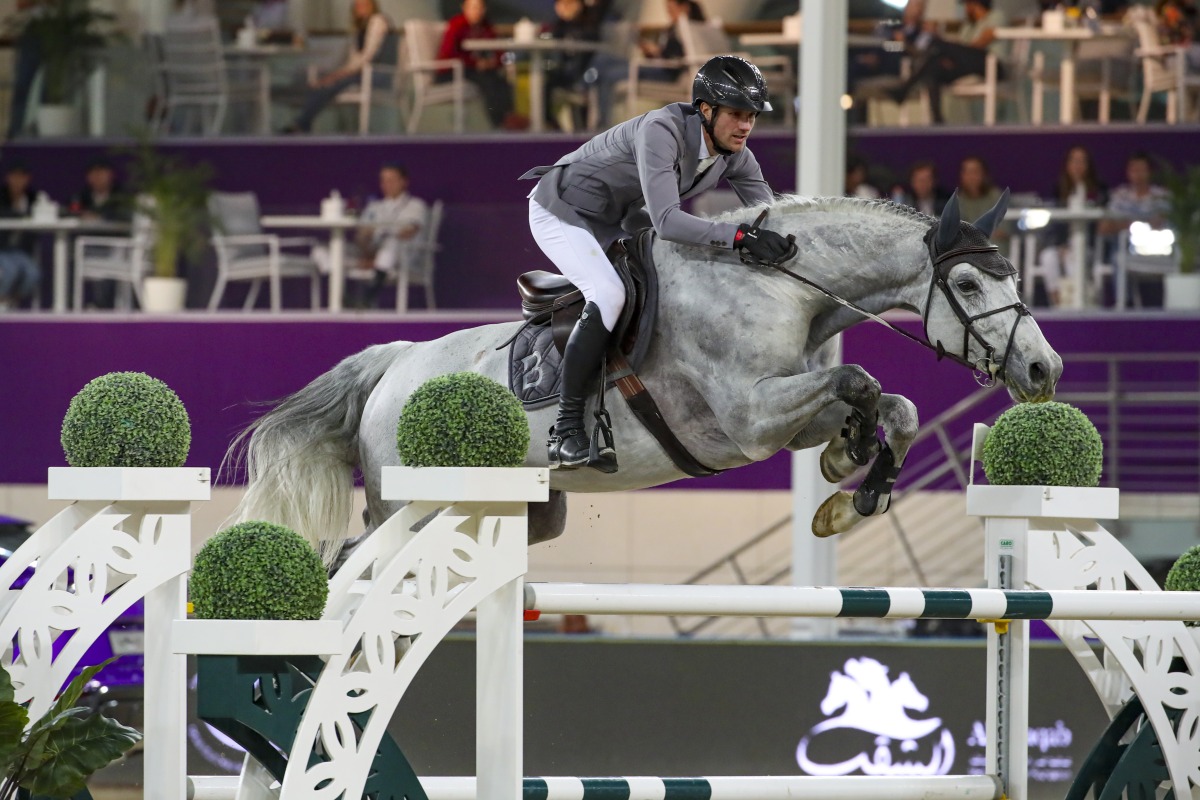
[[549, 300]]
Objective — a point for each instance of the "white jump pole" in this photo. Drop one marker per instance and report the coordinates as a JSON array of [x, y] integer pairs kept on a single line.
[[782, 787], [882, 603]]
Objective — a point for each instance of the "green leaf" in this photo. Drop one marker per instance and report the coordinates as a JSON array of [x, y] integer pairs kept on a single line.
[[75, 751], [64, 708], [7, 693], [13, 719]]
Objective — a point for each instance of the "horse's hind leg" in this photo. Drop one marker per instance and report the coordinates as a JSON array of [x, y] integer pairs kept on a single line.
[[843, 510]]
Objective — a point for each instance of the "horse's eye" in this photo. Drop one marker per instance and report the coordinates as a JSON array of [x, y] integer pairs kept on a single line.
[[968, 286]]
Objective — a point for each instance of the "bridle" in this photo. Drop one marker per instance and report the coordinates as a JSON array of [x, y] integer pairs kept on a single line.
[[987, 372]]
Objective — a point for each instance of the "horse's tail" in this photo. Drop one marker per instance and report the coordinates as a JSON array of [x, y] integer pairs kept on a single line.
[[300, 456]]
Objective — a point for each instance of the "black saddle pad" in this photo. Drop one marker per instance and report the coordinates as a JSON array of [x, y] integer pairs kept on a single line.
[[534, 363]]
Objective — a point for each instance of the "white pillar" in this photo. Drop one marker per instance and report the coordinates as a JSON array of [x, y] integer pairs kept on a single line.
[[499, 700], [1006, 553], [820, 160]]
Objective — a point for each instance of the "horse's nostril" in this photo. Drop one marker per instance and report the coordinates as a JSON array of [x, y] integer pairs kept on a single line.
[[1038, 374]]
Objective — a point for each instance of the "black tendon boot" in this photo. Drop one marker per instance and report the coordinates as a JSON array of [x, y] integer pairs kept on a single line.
[[569, 445]]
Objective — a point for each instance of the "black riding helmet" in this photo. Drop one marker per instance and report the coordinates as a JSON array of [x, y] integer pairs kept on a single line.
[[732, 82]]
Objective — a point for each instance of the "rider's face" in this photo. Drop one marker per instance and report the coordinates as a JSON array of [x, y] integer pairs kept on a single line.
[[732, 126]]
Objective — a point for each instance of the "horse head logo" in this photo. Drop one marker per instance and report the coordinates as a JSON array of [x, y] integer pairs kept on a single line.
[[869, 701], [875, 704]]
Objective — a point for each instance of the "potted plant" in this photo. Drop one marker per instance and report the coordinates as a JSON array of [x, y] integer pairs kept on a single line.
[[1182, 290], [1043, 444], [68, 35], [462, 420], [1184, 576], [1041, 460], [55, 755], [258, 571], [126, 419], [173, 195]]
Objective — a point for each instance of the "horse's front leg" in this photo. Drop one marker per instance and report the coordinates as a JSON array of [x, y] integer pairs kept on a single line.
[[843, 510]]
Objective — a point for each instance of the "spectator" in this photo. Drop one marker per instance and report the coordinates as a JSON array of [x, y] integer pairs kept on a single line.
[[19, 273], [923, 192], [387, 245], [27, 60], [481, 68], [1136, 199], [608, 70], [946, 61], [101, 196], [564, 71], [1077, 187], [976, 192], [1177, 25], [371, 44], [856, 179], [102, 199]]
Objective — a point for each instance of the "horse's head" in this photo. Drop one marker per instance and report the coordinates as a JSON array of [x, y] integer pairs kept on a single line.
[[974, 313]]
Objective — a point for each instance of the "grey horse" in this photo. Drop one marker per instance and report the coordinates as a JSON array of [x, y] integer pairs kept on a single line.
[[739, 365]]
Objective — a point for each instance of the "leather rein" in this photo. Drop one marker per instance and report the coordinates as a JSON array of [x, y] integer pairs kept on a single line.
[[985, 369]]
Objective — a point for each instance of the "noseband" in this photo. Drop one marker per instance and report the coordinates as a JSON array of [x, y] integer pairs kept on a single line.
[[986, 370]]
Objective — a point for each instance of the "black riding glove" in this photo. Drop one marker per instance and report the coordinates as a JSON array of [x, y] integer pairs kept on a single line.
[[761, 244]]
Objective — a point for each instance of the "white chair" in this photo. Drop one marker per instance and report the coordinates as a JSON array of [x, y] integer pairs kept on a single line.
[[991, 87], [422, 39], [417, 266], [1102, 71], [677, 89], [1132, 267], [1164, 67], [379, 83], [424, 261], [194, 73], [245, 253], [124, 259]]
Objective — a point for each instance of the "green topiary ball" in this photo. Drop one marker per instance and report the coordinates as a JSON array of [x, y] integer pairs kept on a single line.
[[258, 570], [126, 419], [462, 420], [1043, 444], [1185, 576]]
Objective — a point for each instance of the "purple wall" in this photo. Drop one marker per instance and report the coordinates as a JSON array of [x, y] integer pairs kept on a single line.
[[486, 237], [221, 369]]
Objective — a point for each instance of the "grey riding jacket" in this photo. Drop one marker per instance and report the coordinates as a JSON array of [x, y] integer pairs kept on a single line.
[[636, 174]]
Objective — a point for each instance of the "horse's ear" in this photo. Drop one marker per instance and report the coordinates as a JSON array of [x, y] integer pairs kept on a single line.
[[992, 217], [947, 229]]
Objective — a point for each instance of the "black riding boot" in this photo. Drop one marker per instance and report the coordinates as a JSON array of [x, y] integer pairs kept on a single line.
[[569, 444]]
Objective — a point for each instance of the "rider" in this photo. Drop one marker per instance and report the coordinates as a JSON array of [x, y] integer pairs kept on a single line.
[[627, 178]]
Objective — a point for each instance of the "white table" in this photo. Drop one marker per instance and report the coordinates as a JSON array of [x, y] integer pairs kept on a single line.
[[337, 227], [1024, 252], [1071, 38], [788, 40], [62, 228], [537, 49]]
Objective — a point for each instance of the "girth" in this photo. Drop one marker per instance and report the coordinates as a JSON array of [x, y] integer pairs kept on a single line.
[[549, 298]]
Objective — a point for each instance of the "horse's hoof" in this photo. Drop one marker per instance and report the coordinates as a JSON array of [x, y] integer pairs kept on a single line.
[[835, 464], [836, 515]]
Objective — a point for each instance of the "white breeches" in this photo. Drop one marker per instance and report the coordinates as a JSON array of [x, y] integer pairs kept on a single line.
[[578, 255]]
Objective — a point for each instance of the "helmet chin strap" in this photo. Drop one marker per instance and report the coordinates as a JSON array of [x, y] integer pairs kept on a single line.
[[708, 123]]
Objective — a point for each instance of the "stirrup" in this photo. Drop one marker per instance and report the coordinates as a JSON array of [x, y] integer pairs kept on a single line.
[[603, 453]]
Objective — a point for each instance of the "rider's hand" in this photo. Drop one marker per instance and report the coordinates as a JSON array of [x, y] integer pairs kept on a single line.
[[762, 244]]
